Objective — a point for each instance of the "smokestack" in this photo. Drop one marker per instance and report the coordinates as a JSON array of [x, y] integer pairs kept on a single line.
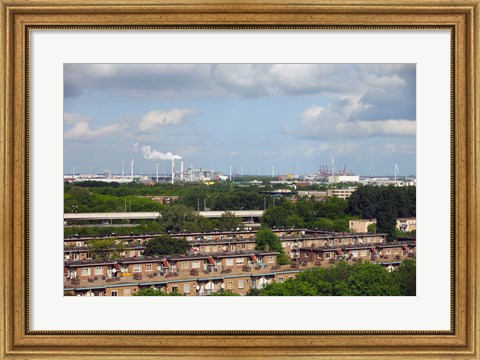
[[173, 170], [181, 170], [131, 168]]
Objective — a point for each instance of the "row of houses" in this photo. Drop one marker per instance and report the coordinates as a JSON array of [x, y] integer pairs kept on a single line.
[[207, 244], [202, 274]]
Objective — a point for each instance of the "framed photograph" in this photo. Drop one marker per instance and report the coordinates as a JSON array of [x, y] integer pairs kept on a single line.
[[280, 94]]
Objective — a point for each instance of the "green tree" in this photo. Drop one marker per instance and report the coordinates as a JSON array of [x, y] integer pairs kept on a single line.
[[387, 223], [289, 288], [165, 245], [324, 224], [367, 279], [266, 237], [105, 248], [372, 228], [228, 221], [406, 276], [178, 217]]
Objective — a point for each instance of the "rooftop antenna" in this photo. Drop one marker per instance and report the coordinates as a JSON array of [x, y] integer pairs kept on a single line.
[[396, 171]]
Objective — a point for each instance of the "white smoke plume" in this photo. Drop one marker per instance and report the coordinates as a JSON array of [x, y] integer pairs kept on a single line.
[[150, 154]]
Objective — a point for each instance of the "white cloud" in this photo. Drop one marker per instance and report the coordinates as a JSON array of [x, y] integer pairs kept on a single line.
[[335, 121], [72, 118], [247, 80], [82, 131], [158, 118]]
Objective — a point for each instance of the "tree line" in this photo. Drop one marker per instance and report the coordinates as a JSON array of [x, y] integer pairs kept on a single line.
[[385, 204]]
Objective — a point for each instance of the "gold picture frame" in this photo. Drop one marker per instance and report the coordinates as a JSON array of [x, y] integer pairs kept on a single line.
[[18, 17]]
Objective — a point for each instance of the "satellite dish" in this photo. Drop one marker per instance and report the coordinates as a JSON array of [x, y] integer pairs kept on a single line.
[[114, 270]]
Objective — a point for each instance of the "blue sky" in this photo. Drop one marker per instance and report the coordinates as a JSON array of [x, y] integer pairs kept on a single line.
[[252, 116]]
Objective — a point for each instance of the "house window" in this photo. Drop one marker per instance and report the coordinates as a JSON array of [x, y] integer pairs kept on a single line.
[[328, 255], [148, 267], [232, 247], [78, 244], [210, 237], [363, 253], [270, 259], [184, 264], [280, 279], [85, 271], [395, 251], [387, 251], [114, 293], [89, 255], [319, 256], [354, 253], [228, 262], [290, 277], [189, 238], [214, 248], [137, 267], [241, 284], [244, 246], [207, 248], [175, 288], [195, 264], [126, 292], [186, 288], [239, 261], [132, 253], [230, 285], [98, 270]]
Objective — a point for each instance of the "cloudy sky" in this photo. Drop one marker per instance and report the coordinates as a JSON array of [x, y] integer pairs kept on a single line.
[[294, 117]]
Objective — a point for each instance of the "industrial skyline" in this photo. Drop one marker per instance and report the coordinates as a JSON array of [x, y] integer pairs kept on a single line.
[[246, 117]]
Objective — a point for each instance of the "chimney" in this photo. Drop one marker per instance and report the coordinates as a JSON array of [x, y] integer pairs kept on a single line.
[[173, 170], [181, 170]]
